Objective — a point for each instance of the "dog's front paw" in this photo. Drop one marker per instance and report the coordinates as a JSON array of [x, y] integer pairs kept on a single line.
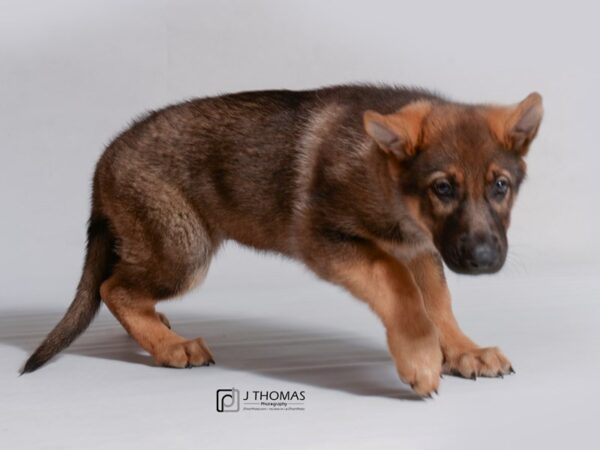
[[419, 364], [477, 362]]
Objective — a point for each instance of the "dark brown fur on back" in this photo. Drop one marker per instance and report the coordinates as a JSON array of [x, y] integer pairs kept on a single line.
[[239, 160]]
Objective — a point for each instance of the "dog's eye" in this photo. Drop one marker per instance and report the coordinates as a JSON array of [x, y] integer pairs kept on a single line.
[[443, 189], [501, 187]]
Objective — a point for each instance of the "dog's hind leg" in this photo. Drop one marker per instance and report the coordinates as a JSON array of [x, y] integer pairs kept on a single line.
[[164, 249], [136, 313]]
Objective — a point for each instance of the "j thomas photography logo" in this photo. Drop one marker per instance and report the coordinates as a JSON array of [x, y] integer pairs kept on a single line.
[[231, 400], [228, 400]]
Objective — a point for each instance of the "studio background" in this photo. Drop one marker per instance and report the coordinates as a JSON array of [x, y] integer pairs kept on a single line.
[[73, 74]]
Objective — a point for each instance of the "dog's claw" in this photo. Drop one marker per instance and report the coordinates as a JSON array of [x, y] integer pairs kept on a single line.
[[473, 376], [500, 374], [511, 370]]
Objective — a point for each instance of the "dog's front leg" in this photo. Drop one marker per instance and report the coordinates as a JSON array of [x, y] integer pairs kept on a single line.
[[388, 286], [461, 355]]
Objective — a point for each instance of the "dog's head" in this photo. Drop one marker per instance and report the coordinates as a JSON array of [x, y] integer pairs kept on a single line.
[[459, 168]]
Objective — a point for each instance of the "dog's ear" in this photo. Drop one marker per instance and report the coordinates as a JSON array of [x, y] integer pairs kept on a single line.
[[517, 125], [398, 133]]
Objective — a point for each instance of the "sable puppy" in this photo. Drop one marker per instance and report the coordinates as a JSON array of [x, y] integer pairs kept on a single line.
[[370, 186]]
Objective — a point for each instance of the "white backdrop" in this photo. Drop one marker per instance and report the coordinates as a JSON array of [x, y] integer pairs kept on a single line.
[[73, 74]]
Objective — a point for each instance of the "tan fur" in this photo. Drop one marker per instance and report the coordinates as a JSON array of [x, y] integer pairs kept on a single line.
[[151, 329], [381, 280], [503, 121], [461, 355], [406, 124]]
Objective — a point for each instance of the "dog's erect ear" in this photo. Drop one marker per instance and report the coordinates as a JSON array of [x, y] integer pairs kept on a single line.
[[398, 133], [516, 126]]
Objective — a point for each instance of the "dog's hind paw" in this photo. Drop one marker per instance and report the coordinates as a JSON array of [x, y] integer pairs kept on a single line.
[[183, 354]]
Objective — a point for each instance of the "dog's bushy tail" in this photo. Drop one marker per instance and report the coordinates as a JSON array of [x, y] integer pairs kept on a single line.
[[97, 267]]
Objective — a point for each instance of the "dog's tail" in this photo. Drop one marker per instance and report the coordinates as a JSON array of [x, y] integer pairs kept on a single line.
[[97, 267]]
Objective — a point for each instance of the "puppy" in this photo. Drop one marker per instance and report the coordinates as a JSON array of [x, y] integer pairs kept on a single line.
[[370, 186]]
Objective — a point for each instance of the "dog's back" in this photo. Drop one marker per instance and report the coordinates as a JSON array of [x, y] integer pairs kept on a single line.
[[248, 161]]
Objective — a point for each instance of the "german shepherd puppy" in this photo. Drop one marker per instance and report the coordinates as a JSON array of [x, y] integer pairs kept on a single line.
[[370, 186]]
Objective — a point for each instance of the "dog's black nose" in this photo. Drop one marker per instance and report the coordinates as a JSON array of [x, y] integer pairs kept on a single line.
[[479, 253], [484, 256]]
